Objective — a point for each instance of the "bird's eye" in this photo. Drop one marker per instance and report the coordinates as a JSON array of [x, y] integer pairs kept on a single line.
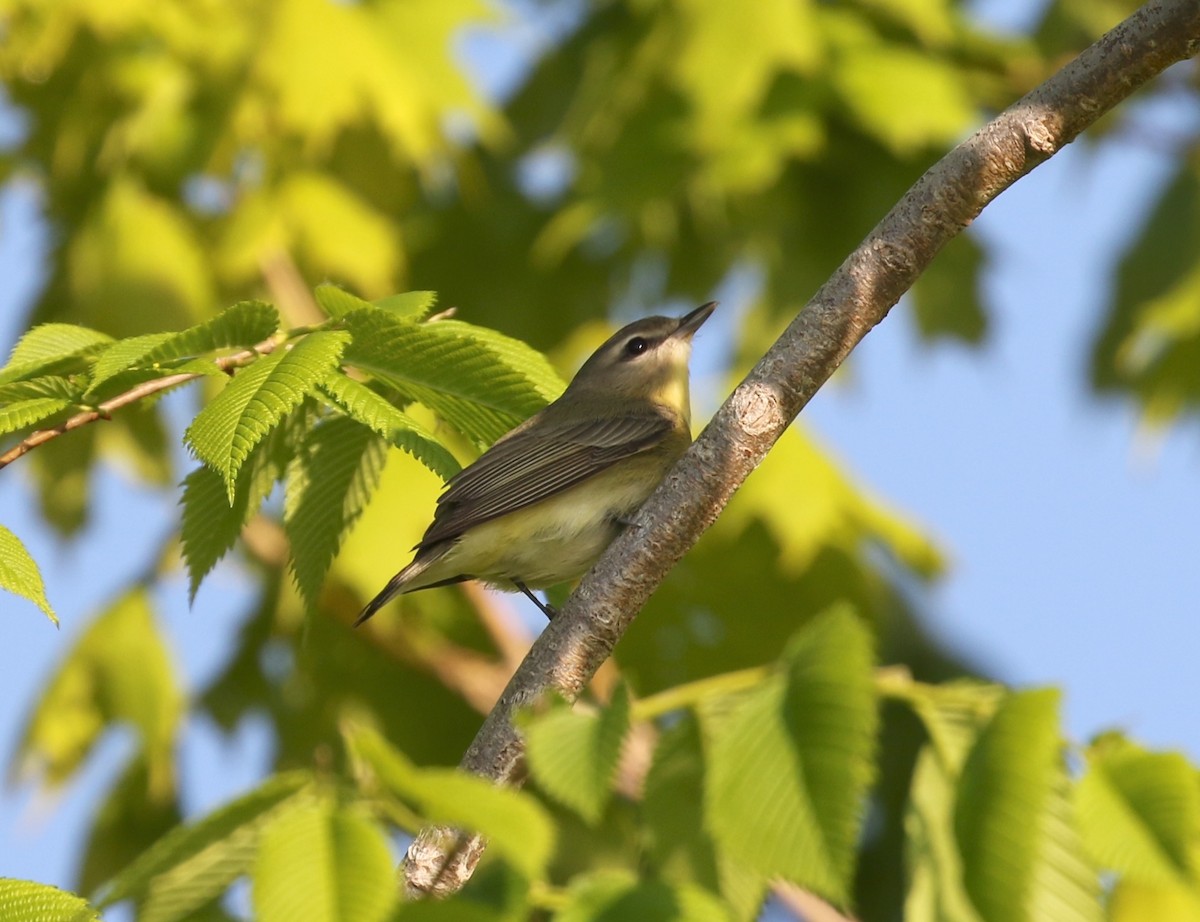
[[636, 346]]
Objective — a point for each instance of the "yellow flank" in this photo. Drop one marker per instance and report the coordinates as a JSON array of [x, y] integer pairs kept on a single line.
[[559, 538]]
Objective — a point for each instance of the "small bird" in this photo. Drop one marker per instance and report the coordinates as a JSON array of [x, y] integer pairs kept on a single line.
[[541, 505]]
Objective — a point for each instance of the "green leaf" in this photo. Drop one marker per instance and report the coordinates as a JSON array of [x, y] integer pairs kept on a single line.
[[329, 483], [680, 847], [361, 403], [1003, 796], [210, 526], [806, 737], [246, 324], [225, 432], [19, 573], [45, 386], [194, 864], [946, 296], [17, 416], [26, 901], [414, 305], [573, 756], [337, 302], [119, 671], [613, 893], [1139, 812], [516, 826], [323, 863], [52, 349], [481, 382]]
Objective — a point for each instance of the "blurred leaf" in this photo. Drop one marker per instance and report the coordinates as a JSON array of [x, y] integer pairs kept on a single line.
[[26, 901], [481, 382], [322, 863], [613, 894], [329, 482], [359, 402], [946, 296], [19, 573], [1139, 813], [514, 824], [1002, 801], [225, 432], [195, 863], [138, 250], [791, 762], [573, 756], [119, 671], [1133, 901], [680, 847], [133, 814]]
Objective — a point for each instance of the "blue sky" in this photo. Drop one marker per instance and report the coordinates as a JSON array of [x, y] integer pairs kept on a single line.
[[1072, 533]]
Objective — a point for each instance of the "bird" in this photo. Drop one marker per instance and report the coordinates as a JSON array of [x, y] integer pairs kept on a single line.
[[541, 504]]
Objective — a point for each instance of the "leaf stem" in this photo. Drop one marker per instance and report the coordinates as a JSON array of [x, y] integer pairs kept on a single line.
[[143, 390]]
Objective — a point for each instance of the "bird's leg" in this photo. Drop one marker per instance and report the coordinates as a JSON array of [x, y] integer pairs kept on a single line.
[[626, 521], [547, 609]]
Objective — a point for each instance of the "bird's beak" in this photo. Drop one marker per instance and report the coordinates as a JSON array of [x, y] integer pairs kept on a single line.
[[690, 323]]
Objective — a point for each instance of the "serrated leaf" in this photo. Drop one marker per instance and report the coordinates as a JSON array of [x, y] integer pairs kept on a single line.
[[337, 302], [95, 687], [329, 483], [323, 863], [258, 398], [614, 893], [361, 403], [516, 826], [1003, 794], [413, 305], [24, 413], [574, 755], [246, 324], [45, 386], [19, 573], [1139, 812], [27, 901], [194, 864], [210, 526], [479, 381], [52, 349], [806, 737]]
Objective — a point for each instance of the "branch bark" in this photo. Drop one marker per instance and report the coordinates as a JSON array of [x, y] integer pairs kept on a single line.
[[857, 297]]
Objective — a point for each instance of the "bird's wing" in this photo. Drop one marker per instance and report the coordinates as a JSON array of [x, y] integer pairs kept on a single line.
[[529, 466]]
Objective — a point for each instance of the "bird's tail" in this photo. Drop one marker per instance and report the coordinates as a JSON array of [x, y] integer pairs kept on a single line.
[[399, 584]]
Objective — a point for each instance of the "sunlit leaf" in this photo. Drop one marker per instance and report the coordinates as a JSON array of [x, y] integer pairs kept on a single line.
[[118, 672], [19, 573], [194, 863], [24, 413], [573, 756], [618, 894], [330, 480], [359, 402], [225, 432], [806, 736], [52, 349], [26, 901], [515, 825], [323, 863]]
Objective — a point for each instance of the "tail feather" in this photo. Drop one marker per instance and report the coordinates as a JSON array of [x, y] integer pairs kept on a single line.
[[400, 583]]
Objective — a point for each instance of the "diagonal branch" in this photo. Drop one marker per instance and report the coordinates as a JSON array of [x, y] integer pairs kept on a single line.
[[857, 297], [139, 392]]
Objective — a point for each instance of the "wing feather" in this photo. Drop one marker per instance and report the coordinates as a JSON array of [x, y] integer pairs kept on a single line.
[[534, 464]]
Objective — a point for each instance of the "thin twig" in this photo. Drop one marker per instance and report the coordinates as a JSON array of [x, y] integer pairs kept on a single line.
[[857, 297], [134, 394]]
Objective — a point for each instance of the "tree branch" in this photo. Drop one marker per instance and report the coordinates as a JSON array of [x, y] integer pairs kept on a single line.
[[857, 297], [136, 393]]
